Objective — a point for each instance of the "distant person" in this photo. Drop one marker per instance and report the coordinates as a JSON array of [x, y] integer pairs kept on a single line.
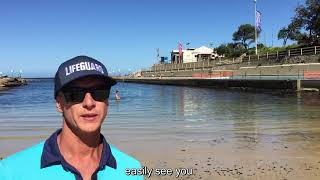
[[118, 95], [78, 150]]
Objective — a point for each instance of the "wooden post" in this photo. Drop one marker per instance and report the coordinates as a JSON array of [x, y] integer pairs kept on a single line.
[[289, 53], [267, 55], [301, 51], [315, 50], [277, 54], [260, 74], [298, 85]]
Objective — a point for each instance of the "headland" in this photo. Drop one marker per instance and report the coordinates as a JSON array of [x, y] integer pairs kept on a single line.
[[6, 81]]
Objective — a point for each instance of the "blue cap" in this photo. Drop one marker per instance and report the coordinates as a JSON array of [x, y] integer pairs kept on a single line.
[[79, 67]]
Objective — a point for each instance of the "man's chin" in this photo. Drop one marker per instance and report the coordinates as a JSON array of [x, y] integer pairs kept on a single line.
[[90, 130]]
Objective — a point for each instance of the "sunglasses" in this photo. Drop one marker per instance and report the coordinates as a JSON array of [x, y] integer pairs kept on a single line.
[[77, 94]]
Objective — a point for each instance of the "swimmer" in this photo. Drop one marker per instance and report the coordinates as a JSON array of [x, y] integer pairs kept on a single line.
[[117, 95]]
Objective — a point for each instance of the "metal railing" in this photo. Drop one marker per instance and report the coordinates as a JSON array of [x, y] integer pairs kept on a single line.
[[307, 51], [202, 65], [215, 64]]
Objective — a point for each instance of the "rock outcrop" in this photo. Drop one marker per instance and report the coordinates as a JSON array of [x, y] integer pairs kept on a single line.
[[10, 82]]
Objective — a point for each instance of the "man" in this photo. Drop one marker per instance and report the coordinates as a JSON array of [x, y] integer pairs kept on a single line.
[[78, 150]]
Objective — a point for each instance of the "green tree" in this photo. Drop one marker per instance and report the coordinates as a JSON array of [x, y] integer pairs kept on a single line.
[[231, 49], [260, 45], [307, 20], [291, 32], [283, 34], [245, 35], [223, 50]]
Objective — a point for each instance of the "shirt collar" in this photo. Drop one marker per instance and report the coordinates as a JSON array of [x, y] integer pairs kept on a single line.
[[51, 154]]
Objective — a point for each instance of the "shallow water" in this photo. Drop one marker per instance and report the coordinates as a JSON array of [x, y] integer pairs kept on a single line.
[[151, 112]]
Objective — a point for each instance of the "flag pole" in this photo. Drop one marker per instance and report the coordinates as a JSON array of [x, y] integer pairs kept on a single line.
[[255, 24], [158, 55]]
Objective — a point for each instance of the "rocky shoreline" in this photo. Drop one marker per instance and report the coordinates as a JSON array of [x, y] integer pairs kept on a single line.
[[11, 81]]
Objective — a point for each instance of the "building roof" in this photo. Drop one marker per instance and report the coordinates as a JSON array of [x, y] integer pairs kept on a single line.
[[183, 50], [203, 50], [200, 50]]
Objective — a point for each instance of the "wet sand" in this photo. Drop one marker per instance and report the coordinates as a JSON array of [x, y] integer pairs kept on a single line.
[[222, 157], [221, 160]]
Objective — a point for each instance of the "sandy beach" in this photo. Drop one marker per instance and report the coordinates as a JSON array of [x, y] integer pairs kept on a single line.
[[195, 133], [222, 157]]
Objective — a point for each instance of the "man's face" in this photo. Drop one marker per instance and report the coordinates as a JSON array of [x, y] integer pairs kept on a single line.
[[85, 116]]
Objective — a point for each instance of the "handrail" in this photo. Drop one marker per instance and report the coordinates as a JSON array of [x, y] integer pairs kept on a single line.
[[209, 64], [313, 50]]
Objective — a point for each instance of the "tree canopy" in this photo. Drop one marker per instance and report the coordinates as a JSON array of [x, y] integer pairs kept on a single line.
[[245, 35], [303, 28], [231, 49], [291, 32], [305, 25]]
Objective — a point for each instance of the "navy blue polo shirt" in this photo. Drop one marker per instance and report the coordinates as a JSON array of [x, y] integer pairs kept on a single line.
[[44, 161], [51, 156]]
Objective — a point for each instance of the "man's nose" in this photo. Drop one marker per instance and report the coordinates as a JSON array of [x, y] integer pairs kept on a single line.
[[88, 101]]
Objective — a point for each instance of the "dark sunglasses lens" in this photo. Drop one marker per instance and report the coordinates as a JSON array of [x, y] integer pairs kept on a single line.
[[77, 96], [100, 95], [74, 96]]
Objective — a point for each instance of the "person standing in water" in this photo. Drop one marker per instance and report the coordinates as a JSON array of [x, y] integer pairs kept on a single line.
[[117, 95]]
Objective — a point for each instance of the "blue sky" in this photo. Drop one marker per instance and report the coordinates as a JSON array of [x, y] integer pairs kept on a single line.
[[36, 36]]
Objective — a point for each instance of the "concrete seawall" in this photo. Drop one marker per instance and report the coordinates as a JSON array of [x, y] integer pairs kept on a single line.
[[295, 77], [288, 85], [297, 71], [219, 83]]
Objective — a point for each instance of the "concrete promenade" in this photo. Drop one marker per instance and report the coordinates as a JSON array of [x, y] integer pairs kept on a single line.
[[294, 77]]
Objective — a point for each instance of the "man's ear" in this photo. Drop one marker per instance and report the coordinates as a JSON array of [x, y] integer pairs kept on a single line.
[[59, 103]]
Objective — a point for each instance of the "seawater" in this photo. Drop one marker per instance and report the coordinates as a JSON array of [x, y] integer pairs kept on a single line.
[[186, 113]]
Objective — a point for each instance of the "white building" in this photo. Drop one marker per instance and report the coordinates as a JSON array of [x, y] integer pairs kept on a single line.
[[187, 56], [202, 53]]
